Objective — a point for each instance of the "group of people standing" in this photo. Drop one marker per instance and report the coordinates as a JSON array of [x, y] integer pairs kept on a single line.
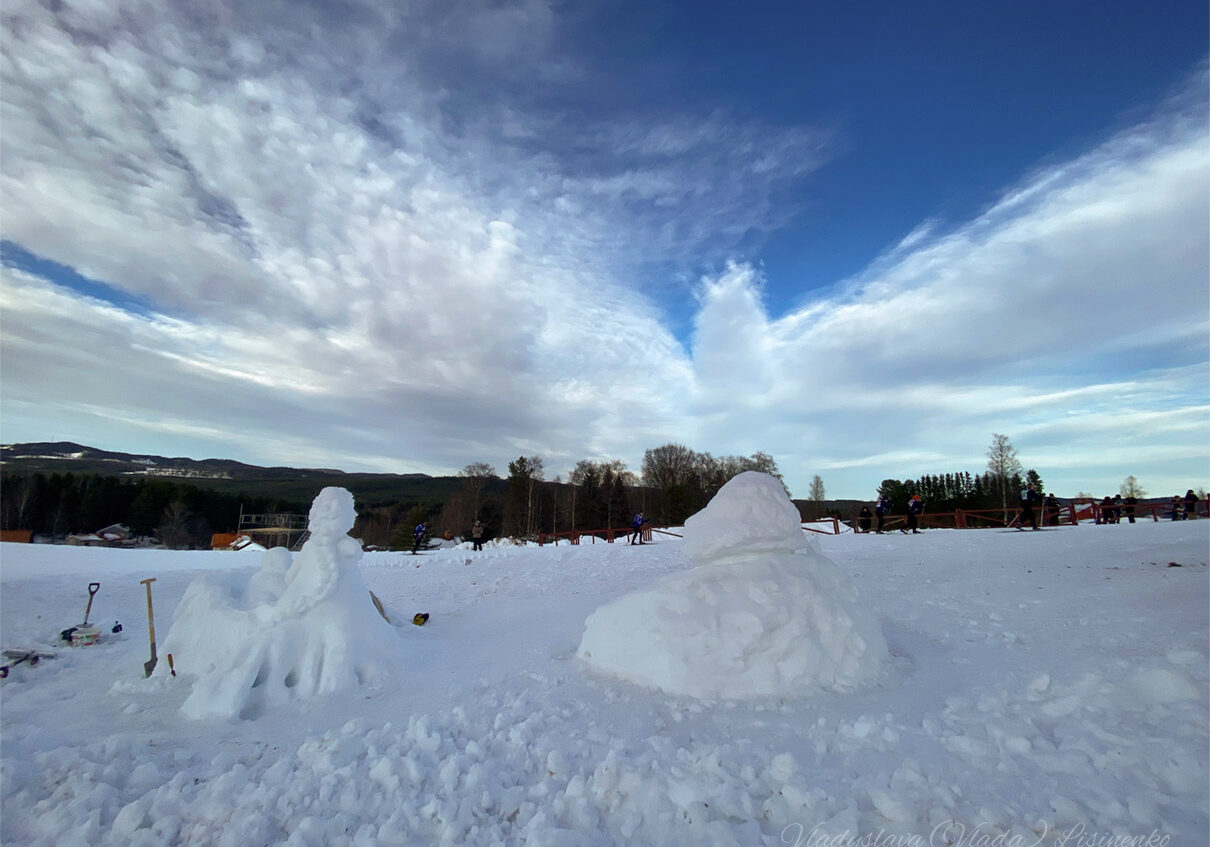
[[1031, 499], [883, 507], [1185, 508], [1113, 509], [1110, 510]]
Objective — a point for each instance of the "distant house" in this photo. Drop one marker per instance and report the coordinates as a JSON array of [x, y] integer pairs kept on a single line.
[[84, 539], [114, 535], [223, 540], [20, 536]]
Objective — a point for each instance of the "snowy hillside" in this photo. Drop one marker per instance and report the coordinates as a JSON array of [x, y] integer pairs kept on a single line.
[[1041, 687]]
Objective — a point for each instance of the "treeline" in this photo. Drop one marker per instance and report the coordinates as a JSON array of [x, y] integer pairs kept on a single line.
[[675, 482], [178, 514], [950, 491]]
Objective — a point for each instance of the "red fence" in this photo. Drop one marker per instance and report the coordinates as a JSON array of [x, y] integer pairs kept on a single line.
[[1156, 511], [976, 519], [1067, 515], [607, 535]]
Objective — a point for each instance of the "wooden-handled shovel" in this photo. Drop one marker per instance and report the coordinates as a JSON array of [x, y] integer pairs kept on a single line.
[[149, 665]]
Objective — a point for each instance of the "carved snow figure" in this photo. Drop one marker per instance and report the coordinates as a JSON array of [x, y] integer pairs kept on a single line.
[[763, 613], [301, 627]]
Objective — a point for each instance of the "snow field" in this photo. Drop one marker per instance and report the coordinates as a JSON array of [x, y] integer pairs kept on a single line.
[[1036, 683]]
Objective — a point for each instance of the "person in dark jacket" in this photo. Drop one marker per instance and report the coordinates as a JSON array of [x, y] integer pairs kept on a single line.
[[1178, 508], [477, 535], [1029, 499], [1128, 507], [1190, 505], [881, 508], [418, 535], [864, 517], [1052, 510], [915, 507]]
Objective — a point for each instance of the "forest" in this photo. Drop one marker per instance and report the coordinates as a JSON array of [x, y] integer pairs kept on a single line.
[[675, 482]]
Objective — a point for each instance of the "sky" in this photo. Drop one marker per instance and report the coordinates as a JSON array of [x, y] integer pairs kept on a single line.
[[408, 236]]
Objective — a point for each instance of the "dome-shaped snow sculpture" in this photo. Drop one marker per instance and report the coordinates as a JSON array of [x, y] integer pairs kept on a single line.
[[754, 619], [302, 628]]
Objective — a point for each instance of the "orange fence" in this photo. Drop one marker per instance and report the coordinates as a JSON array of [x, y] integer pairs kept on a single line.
[[976, 519], [607, 535], [1156, 511], [1067, 515]]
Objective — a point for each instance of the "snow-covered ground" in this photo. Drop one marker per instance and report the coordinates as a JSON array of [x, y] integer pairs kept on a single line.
[[1043, 687]]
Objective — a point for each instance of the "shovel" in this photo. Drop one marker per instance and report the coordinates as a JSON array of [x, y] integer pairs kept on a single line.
[[84, 634], [93, 588], [149, 665]]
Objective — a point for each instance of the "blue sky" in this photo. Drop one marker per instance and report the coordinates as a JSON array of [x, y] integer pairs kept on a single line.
[[406, 237]]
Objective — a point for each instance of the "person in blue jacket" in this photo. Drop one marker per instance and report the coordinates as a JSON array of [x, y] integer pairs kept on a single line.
[[418, 536], [881, 509], [636, 533]]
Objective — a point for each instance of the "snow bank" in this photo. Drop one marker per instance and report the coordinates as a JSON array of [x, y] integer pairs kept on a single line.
[[754, 619], [301, 626]]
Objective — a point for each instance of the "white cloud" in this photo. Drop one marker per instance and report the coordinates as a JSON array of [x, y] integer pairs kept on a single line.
[[352, 260], [1018, 322]]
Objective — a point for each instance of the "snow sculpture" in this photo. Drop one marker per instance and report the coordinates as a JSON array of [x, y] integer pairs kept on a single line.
[[763, 613], [303, 626]]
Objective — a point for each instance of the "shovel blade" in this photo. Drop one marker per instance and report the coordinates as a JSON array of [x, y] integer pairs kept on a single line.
[[149, 665]]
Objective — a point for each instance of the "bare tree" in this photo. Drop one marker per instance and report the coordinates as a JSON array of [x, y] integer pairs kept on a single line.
[[477, 475], [1131, 488], [669, 465], [180, 528], [1002, 464], [816, 492]]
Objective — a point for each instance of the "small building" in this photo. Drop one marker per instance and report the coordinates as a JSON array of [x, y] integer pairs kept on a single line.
[[232, 541], [223, 540], [18, 536], [114, 535]]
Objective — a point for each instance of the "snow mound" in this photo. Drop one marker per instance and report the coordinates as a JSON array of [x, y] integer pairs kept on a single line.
[[302, 626], [755, 619], [750, 515]]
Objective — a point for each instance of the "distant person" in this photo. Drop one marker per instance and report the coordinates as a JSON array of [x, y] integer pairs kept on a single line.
[[1052, 510], [1029, 499], [477, 535], [636, 532], [1190, 505], [417, 536], [864, 517], [915, 508], [1117, 508], [1107, 509], [1128, 507], [1178, 508], [881, 508]]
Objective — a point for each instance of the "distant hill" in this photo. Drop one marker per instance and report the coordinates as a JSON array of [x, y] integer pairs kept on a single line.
[[226, 475]]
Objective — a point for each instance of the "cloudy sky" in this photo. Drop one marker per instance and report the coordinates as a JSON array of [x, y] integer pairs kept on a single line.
[[407, 236]]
